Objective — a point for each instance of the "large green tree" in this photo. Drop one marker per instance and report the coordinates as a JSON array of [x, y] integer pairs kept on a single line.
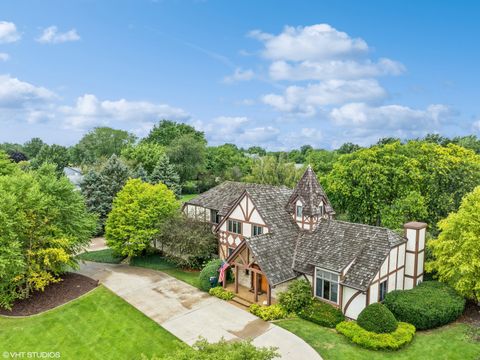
[[139, 210], [101, 143], [100, 187], [273, 171], [32, 147], [166, 131], [144, 154], [456, 251], [227, 162], [43, 224], [6, 164], [187, 153], [53, 154], [366, 183]]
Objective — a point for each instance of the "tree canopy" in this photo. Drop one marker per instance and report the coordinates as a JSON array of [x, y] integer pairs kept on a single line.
[[138, 212], [43, 224], [166, 131], [456, 251], [101, 142], [53, 154]]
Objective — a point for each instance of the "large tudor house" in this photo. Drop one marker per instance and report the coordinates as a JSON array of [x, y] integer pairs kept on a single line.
[[271, 235]]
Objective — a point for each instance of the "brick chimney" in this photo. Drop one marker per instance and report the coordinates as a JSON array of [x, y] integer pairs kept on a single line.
[[415, 253]]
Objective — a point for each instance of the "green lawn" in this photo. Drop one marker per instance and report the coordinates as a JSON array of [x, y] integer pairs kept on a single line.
[[99, 325], [449, 343], [104, 256], [187, 197], [156, 262]]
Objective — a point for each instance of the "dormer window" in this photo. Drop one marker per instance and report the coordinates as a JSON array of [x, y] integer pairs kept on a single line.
[[299, 210], [322, 209]]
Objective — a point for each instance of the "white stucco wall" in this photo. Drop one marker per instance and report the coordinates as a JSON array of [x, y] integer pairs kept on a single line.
[[357, 304]]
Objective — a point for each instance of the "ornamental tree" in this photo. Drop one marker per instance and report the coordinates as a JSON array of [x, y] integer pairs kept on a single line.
[[456, 251], [138, 212]]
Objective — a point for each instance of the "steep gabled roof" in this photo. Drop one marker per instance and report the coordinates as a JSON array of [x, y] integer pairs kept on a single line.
[[311, 193], [220, 197], [336, 244]]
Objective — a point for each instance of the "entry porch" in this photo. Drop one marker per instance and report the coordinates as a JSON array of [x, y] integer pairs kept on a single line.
[[250, 284]]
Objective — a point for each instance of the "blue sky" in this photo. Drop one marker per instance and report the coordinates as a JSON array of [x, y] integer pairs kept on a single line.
[[273, 73]]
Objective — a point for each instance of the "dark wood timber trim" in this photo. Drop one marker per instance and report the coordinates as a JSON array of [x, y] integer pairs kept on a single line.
[[350, 300]]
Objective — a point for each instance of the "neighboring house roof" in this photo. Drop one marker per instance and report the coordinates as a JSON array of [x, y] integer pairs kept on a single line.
[[334, 245], [74, 175], [311, 193]]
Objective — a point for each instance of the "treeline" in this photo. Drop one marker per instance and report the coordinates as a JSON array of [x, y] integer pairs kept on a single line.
[[388, 183]]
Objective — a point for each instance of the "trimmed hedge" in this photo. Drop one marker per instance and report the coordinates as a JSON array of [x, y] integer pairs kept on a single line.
[[322, 314], [370, 340], [221, 293], [377, 318], [267, 313], [210, 270], [431, 304], [297, 296]]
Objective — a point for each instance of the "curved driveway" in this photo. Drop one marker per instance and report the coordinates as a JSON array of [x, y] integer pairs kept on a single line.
[[189, 313]]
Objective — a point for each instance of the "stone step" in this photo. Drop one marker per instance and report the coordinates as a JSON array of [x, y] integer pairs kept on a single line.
[[242, 302]]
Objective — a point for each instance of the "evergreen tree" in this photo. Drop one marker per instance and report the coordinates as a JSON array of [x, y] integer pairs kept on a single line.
[[100, 188], [165, 173], [141, 173]]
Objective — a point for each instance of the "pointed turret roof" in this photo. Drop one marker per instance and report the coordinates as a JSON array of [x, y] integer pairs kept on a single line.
[[311, 193]]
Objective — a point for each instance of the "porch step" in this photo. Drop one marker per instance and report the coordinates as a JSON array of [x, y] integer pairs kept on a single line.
[[242, 302]]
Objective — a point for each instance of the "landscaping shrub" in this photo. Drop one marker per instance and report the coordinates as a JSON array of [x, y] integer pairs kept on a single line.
[[267, 313], [322, 314], [429, 305], [377, 318], [211, 269], [221, 293], [297, 296], [371, 340]]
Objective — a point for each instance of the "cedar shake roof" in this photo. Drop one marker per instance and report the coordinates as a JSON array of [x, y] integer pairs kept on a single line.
[[221, 197], [311, 193], [334, 245]]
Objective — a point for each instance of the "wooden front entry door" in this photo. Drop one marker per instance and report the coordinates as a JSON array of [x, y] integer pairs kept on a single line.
[[263, 283]]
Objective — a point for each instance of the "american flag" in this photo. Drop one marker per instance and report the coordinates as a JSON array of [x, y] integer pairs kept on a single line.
[[222, 270]]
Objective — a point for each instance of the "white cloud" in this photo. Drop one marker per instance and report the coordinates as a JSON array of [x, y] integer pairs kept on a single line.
[[392, 117], [476, 126], [51, 35], [307, 135], [8, 32], [16, 94], [333, 69], [4, 57], [89, 111], [308, 100], [239, 75], [316, 42]]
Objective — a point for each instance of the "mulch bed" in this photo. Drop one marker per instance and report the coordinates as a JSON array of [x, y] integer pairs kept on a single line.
[[71, 287], [471, 315]]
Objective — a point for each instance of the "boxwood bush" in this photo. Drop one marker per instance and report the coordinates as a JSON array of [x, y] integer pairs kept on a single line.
[[429, 305], [267, 313], [377, 318], [221, 293], [210, 270], [370, 340], [322, 314], [297, 296]]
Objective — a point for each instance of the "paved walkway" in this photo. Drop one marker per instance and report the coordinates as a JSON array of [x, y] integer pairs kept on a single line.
[[189, 313]]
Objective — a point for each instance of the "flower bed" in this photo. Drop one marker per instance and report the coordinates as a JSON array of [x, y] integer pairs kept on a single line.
[[268, 313], [221, 293], [322, 314]]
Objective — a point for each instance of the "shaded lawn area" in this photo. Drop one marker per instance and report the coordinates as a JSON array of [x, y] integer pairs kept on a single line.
[[157, 262], [99, 325], [448, 342], [187, 197], [104, 256]]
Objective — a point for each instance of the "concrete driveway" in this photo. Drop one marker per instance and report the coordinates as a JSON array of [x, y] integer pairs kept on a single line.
[[189, 313]]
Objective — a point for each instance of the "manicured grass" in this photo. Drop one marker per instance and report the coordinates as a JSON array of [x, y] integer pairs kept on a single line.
[[99, 325], [187, 197], [104, 256], [157, 262], [449, 342]]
